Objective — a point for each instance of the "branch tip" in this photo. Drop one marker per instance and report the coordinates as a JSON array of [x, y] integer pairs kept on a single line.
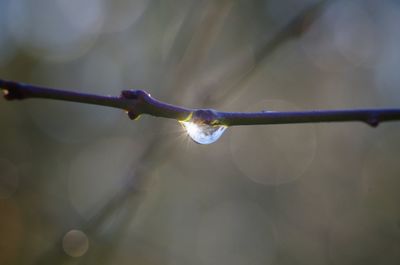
[[11, 90], [5, 92]]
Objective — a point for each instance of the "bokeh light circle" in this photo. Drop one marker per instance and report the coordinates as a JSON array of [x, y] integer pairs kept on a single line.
[[75, 243]]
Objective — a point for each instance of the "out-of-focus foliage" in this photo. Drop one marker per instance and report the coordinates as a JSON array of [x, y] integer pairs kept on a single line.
[[85, 185]]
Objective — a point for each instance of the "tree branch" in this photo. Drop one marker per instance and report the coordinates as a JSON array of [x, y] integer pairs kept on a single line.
[[137, 102]]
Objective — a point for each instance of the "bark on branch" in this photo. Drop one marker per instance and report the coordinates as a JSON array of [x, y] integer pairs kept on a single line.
[[138, 102]]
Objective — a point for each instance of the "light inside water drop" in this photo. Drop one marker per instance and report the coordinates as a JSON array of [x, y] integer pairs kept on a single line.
[[203, 133]]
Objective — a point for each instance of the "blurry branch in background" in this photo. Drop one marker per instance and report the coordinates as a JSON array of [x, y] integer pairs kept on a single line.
[[138, 102], [295, 28], [210, 18]]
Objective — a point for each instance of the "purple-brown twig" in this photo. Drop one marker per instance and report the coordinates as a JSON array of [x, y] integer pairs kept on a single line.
[[137, 102]]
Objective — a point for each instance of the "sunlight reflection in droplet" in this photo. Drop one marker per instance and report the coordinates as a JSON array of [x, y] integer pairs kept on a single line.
[[75, 243], [273, 154], [203, 133]]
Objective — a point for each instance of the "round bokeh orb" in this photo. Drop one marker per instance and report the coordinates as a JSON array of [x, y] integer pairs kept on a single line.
[[75, 243]]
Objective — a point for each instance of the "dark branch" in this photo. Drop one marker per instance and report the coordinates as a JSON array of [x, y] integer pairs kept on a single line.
[[137, 102]]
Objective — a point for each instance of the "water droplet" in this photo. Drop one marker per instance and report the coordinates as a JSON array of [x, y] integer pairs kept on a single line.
[[75, 243], [203, 133]]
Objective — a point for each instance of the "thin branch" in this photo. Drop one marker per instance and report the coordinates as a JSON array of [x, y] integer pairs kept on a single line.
[[370, 116], [137, 102], [295, 28]]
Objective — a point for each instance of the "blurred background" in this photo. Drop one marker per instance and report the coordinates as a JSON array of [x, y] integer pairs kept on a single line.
[[83, 184]]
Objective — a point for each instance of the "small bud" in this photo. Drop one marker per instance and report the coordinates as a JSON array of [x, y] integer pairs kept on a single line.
[[12, 90], [132, 115], [134, 94], [373, 121], [206, 116]]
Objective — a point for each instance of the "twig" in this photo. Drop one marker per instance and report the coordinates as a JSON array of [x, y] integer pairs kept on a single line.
[[137, 102]]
